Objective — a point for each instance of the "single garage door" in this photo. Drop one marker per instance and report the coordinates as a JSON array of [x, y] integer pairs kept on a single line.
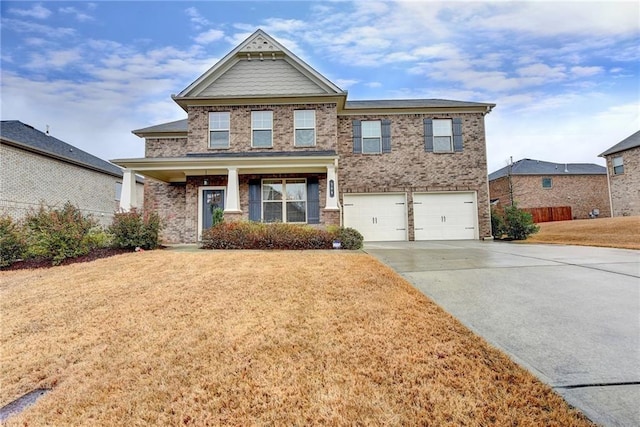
[[378, 217], [445, 216]]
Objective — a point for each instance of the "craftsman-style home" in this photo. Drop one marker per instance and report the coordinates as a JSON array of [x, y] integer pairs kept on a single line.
[[267, 138]]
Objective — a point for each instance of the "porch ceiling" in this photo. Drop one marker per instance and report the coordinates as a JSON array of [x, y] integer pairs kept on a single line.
[[176, 169]]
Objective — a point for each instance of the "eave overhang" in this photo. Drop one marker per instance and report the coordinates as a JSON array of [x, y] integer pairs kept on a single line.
[[483, 109], [186, 101], [176, 169]]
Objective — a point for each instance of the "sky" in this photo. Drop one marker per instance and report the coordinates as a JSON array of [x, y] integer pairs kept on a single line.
[[565, 76]]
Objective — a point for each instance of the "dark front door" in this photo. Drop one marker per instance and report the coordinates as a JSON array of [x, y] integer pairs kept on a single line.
[[212, 200]]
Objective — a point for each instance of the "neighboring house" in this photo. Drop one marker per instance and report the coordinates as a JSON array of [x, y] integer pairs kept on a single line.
[[37, 168], [267, 138], [535, 184], [623, 173]]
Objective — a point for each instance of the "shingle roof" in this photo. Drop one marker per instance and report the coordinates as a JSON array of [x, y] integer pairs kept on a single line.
[[265, 154], [413, 103], [632, 141], [538, 167], [17, 133], [171, 127]]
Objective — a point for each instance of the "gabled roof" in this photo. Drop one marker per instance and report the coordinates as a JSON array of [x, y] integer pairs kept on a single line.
[[538, 167], [413, 103], [258, 67], [632, 141], [18, 134], [178, 128]]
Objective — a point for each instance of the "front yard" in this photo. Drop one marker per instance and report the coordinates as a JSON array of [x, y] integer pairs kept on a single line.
[[250, 337]]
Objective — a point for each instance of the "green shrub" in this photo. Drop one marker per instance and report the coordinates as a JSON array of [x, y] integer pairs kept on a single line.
[[255, 235], [134, 229], [58, 234], [218, 216], [98, 238], [12, 242], [349, 238], [518, 224], [497, 223]]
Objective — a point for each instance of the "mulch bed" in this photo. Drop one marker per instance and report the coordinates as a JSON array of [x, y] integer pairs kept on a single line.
[[46, 263]]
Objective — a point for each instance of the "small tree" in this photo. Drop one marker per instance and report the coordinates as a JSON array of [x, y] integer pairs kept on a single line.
[[12, 242], [518, 224], [497, 223], [136, 229]]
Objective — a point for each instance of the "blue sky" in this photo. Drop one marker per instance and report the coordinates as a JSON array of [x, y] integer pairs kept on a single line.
[[564, 75]]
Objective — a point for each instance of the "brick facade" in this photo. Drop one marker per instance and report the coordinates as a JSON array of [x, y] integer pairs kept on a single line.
[[582, 193], [625, 187], [409, 168], [27, 179]]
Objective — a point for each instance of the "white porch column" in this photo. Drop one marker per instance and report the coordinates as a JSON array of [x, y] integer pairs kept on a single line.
[[232, 204], [332, 188], [129, 196]]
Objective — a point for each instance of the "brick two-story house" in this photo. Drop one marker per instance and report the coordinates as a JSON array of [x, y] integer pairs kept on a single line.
[[623, 174], [267, 138]]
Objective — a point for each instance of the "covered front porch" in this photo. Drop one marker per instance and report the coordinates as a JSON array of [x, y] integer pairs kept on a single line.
[[299, 187]]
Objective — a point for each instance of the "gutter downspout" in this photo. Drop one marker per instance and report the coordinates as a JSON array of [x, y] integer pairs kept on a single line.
[[606, 159]]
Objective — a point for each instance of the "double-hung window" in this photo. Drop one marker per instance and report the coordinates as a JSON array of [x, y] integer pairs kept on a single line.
[[262, 129], [442, 136], [305, 128], [371, 137], [219, 129], [284, 200], [618, 165]]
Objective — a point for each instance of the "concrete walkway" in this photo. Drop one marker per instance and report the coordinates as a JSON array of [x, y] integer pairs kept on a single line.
[[568, 314]]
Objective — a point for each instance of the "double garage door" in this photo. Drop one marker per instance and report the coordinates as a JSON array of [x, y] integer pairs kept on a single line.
[[436, 216]]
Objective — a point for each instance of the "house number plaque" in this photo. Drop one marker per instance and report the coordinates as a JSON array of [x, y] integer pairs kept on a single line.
[[331, 188]]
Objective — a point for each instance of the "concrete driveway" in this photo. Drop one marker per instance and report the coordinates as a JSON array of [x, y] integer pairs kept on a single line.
[[568, 314]]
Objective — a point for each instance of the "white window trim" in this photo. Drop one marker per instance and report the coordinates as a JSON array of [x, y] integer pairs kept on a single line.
[[435, 135], [379, 137], [253, 128], [284, 199], [221, 130], [295, 128]]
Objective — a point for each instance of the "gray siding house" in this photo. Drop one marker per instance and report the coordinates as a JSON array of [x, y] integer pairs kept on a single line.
[[623, 173], [268, 138], [36, 168]]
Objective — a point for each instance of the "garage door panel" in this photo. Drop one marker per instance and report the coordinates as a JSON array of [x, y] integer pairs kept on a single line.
[[378, 217], [444, 216]]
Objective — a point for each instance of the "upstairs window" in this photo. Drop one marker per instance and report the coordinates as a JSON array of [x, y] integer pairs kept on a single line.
[[442, 136], [618, 165], [371, 137], [305, 128], [547, 182], [219, 130], [262, 129]]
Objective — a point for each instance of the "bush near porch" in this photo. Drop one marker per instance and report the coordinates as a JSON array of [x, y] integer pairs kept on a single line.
[[256, 235]]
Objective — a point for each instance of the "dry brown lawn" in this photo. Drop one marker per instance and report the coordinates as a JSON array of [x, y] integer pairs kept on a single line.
[[619, 232], [251, 338]]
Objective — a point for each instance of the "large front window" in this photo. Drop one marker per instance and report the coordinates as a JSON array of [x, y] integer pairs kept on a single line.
[[262, 129], [219, 130], [371, 137], [284, 200], [442, 136], [305, 128]]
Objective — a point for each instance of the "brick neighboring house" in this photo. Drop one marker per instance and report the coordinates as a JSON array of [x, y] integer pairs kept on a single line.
[[267, 138], [623, 174], [538, 184], [35, 167]]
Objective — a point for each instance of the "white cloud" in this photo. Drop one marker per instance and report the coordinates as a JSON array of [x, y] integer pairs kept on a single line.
[[36, 11], [79, 15], [374, 84], [31, 27], [586, 71], [209, 36], [197, 20], [54, 59], [346, 83]]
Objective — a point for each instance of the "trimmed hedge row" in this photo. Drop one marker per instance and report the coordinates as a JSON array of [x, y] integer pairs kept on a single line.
[[256, 235]]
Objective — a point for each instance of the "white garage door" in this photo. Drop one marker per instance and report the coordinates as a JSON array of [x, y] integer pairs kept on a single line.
[[378, 217], [445, 216]]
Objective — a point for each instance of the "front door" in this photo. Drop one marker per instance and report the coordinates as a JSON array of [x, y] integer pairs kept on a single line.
[[211, 200]]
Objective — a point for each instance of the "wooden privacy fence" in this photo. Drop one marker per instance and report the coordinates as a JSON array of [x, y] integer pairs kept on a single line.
[[555, 213]]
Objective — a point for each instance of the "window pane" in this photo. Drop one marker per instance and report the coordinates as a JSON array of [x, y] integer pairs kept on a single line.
[[272, 190], [272, 211], [305, 137], [296, 212], [546, 182], [261, 119], [219, 121], [304, 119], [219, 139], [296, 190], [442, 128], [371, 130], [442, 143], [262, 138], [371, 145]]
